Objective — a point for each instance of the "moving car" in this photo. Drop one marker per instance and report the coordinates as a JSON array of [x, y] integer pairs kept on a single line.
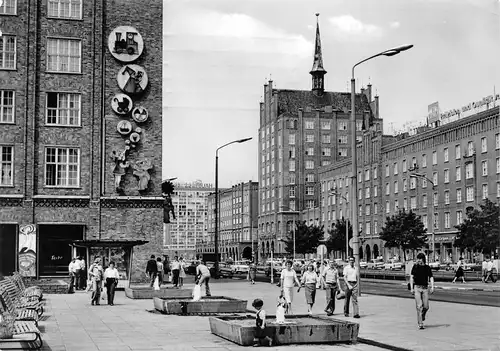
[[376, 263], [393, 265]]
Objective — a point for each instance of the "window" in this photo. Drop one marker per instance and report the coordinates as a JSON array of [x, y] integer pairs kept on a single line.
[[291, 139], [395, 168], [459, 196], [7, 52], [498, 189], [396, 205], [434, 158], [457, 152], [470, 148], [310, 151], [435, 198], [424, 201], [291, 191], [413, 163], [396, 187], [458, 174], [470, 193], [424, 160], [309, 204], [64, 55], [309, 138], [469, 171], [8, 7], [291, 178], [325, 125], [424, 221], [62, 167], [436, 220], [309, 190], [446, 175], [446, 155], [413, 203], [375, 173], [404, 165], [309, 164], [413, 182], [291, 152], [375, 227], [326, 151], [375, 191], [447, 197], [291, 166], [343, 139], [497, 141], [309, 124], [498, 165], [7, 106], [359, 126], [387, 207], [484, 145], [459, 217], [368, 228], [447, 220], [65, 9], [375, 208], [310, 177], [387, 171], [367, 174], [326, 138], [424, 182], [360, 194], [367, 210], [342, 125], [405, 203], [405, 184], [63, 109], [342, 152], [6, 165], [484, 167], [367, 193], [387, 189], [435, 178], [485, 191]]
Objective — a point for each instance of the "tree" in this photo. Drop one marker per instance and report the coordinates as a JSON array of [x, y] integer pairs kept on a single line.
[[307, 238], [404, 230], [336, 240], [481, 230]]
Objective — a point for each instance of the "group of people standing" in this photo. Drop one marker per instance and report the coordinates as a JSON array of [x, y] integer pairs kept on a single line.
[[78, 278], [155, 268]]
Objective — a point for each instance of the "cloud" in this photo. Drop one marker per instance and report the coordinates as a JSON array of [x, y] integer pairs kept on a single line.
[[395, 24], [348, 27]]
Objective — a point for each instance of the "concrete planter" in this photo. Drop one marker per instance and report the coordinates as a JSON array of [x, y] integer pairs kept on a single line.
[[149, 293], [207, 305], [298, 329]]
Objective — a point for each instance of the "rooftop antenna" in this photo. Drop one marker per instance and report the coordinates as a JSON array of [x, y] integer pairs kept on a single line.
[[270, 77], [369, 80]]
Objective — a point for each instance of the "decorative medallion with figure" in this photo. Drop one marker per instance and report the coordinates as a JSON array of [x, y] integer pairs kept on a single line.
[[132, 79], [125, 44], [124, 127], [122, 104], [140, 114]]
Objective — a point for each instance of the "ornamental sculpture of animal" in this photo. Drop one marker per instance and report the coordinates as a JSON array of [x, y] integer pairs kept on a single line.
[[141, 170]]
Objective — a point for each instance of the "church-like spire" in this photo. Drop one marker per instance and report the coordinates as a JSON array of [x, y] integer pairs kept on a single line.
[[317, 71]]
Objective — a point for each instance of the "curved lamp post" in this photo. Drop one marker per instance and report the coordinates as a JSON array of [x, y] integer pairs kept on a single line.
[[354, 190], [216, 233]]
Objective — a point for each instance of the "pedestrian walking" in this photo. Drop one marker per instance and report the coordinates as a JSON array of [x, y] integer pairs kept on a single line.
[[96, 275], [260, 331], [252, 272], [484, 269], [159, 269], [332, 283], [78, 272], [175, 272], [460, 271], [351, 275], [111, 277], [309, 280], [151, 270], [287, 282], [421, 275], [203, 276], [182, 272], [83, 273], [489, 272], [72, 267]]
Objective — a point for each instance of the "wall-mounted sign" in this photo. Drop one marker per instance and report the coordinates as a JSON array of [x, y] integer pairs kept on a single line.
[[140, 114], [121, 104], [124, 127], [125, 44], [132, 79]]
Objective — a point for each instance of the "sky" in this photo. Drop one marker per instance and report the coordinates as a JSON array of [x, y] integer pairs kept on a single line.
[[218, 54]]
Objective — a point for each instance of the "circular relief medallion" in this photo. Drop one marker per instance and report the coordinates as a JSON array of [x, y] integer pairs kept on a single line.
[[140, 114], [135, 137], [122, 104], [124, 127], [125, 44], [132, 79]]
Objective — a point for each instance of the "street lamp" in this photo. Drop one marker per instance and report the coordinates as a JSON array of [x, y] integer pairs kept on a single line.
[[216, 233], [346, 224], [354, 194]]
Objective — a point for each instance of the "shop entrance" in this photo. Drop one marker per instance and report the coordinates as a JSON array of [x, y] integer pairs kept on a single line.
[[55, 252], [8, 249]]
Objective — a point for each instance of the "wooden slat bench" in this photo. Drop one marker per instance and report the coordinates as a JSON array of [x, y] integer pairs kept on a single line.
[[18, 299], [31, 291], [26, 337], [6, 304]]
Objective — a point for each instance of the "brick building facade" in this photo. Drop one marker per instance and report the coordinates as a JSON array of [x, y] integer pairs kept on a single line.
[[80, 133]]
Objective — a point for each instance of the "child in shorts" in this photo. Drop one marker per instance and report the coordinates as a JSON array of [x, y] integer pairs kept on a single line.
[[260, 331]]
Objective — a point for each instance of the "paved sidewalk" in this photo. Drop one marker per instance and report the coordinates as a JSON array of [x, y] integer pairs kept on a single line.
[[71, 324], [475, 285]]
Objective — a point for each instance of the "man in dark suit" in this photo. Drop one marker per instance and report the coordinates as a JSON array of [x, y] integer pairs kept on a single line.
[[152, 269]]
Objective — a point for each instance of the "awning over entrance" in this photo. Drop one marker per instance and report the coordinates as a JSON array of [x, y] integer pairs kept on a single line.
[[108, 243]]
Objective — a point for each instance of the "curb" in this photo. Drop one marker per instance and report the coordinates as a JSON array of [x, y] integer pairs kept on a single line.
[[446, 287], [381, 345]]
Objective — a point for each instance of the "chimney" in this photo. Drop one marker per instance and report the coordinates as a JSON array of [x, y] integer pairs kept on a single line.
[[368, 92]]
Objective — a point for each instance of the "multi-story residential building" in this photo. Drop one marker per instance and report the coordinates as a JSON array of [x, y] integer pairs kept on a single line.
[[440, 173], [189, 228], [301, 131], [80, 158], [238, 236]]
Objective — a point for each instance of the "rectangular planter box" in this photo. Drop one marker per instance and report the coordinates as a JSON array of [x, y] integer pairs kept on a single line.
[[298, 329], [149, 293], [207, 305]]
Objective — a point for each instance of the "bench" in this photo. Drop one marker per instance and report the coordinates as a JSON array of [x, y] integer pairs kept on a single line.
[[7, 305], [31, 291], [26, 337], [18, 299]]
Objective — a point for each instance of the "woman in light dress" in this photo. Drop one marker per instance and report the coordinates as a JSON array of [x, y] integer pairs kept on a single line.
[[288, 281], [182, 272], [309, 280]]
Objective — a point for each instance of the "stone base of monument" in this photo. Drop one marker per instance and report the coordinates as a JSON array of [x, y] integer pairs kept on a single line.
[[297, 329], [205, 306], [149, 293]]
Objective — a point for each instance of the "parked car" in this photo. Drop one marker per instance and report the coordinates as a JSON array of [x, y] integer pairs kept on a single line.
[[226, 270], [393, 265], [240, 267], [363, 264], [340, 264], [435, 265], [376, 263]]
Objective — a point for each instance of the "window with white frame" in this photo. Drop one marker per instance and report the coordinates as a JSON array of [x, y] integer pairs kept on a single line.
[[498, 165], [7, 106], [291, 191], [469, 171], [375, 208], [447, 197], [447, 220], [404, 165], [387, 170], [434, 158], [459, 196], [359, 126], [375, 227], [458, 152], [309, 190], [405, 203], [292, 205], [413, 163], [436, 220], [458, 173], [424, 221], [360, 227], [291, 165], [310, 177], [387, 189], [342, 151], [485, 191], [375, 191], [470, 148], [309, 164], [291, 178], [64, 55], [413, 203], [424, 182], [367, 210], [396, 187], [405, 184], [63, 109], [291, 139], [375, 173], [367, 174], [459, 217], [326, 138], [424, 160], [484, 167], [413, 182], [484, 145], [498, 189], [342, 139], [310, 151], [424, 201], [309, 204], [395, 168], [435, 178], [342, 125], [8, 7], [291, 151], [325, 125], [396, 205], [69, 9], [367, 193], [368, 228], [7, 52], [62, 167], [446, 175], [309, 138], [435, 198], [309, 124], [497, 141], [445, 154], [387, 207], [326, 151], [360, 194], [6, 165], [470, 193]]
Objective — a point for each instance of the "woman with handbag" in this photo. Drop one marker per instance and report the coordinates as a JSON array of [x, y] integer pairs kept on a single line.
[[332, 282], [309, 280], [111, 277], [96, 274]]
